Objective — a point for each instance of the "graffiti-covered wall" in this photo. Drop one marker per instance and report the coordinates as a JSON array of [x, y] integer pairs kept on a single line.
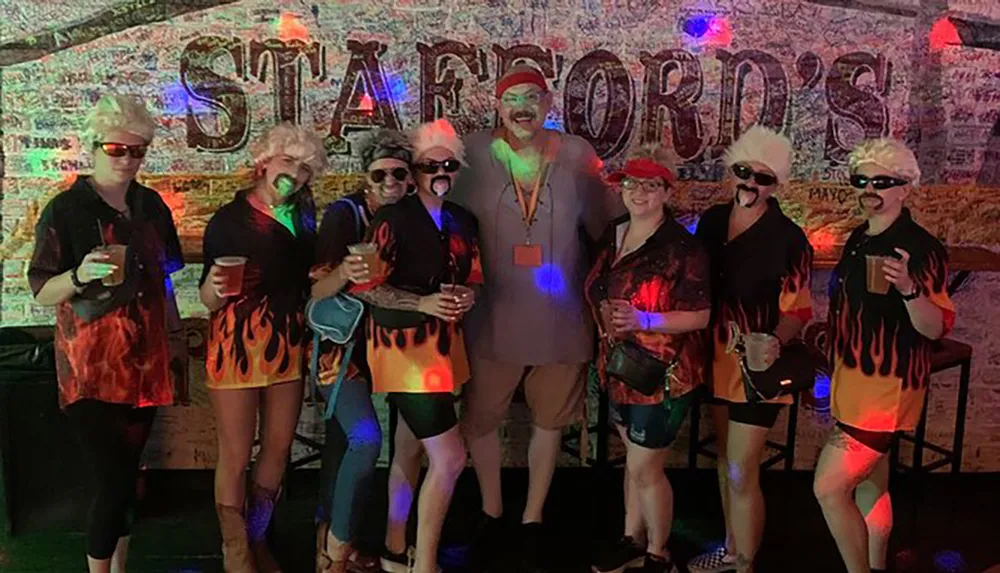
[[690, 75]]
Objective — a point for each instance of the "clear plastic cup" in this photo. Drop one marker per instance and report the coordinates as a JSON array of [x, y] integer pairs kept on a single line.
[[116, 256], [877, 283], [757, 345]]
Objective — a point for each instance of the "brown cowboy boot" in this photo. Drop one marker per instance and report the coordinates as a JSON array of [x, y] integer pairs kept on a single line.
[[235, 548], [261, 509]]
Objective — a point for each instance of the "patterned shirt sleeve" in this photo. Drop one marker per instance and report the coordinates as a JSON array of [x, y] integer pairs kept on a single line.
[[49, 257], [383, 235], [796, 292], [930, 274], [691, 290], [476, 270]]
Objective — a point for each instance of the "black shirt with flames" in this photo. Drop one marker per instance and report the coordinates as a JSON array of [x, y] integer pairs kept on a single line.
[[111, 342], [757, 277], [258, 337], [410, 352], [881, 364]]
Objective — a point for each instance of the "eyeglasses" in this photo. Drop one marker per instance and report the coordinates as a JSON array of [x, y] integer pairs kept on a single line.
[[432, 167], [647, 185], [879, 182], [763, 179], [379, 175], [530, 98], [121, 150]]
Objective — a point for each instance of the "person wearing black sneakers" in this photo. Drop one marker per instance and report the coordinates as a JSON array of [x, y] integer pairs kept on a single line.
[[649, 292]]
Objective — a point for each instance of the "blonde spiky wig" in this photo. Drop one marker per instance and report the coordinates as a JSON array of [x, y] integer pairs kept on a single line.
[[118, 112], [764, 146], [887, 154], [289, 139], [438, 133]]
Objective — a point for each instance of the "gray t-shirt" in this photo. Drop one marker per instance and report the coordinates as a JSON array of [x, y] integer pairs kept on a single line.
[[525, 315]]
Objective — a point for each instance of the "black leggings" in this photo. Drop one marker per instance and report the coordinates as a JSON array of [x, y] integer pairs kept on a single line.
[[112, 437]]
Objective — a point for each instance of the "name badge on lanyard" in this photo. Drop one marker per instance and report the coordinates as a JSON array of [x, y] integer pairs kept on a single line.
[[528, 254]]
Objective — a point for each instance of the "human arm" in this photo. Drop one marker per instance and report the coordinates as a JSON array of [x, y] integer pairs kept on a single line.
[[931, 312]]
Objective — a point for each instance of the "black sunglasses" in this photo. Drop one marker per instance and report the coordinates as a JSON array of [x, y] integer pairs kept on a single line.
[[121, 150], [762, 179], [879, 182], [432, 167], [378, 175]]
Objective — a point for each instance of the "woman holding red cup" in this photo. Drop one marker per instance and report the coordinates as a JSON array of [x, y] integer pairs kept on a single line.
[[257, 334]]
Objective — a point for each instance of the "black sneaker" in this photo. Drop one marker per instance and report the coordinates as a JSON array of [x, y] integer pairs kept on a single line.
[[624, 554], [396, 562], [531, 548], [654, 564], [487, 541]]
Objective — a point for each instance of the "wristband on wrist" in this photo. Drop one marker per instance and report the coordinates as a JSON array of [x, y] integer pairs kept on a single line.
[[914, 295], [76, 279]]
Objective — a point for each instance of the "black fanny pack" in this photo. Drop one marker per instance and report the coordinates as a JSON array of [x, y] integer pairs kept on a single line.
[[634, 366]]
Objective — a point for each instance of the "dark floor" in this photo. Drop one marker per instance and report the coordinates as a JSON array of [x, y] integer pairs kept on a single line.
[[952, 527]]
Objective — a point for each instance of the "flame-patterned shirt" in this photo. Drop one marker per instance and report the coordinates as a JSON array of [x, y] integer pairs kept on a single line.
[[111, 342], [258, 337], [758, 276], [340, 228], [881, 364], [669, 272], [410, 352]]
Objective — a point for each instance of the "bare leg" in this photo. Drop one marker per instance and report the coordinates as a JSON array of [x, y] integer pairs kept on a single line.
[[98, 565], [843, 464], [485, 453], [720, 419], [120, 557], [542, 453], [280, 413], [872, 498], [447, 458], [746, 500], [403, 475], [235, 421], [635, 526], [645, 468]]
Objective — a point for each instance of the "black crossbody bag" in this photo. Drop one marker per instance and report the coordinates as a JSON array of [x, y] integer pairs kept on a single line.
[[793, 371]]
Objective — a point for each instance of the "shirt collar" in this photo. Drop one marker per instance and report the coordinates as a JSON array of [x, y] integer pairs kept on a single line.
[[898, 226]]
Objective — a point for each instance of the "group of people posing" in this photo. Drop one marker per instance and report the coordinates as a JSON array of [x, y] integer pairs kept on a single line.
[[484, 264]]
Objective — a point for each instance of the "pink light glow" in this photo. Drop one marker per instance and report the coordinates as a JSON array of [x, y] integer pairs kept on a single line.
[[944, 33]]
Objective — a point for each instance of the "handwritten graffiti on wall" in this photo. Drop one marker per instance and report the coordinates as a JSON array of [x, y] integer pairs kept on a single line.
[[598, 85]]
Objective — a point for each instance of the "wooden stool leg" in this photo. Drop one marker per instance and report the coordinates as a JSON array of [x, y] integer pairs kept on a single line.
[[918, 442], [694, 433], [963, 398], [603, 429], [793, 415], [393, 423]]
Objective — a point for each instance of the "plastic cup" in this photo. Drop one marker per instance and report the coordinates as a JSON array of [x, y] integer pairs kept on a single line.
[[607, 309], [757, 345], [459, 291], [877, 283], [232, 274], [368, 253], [116, 256]]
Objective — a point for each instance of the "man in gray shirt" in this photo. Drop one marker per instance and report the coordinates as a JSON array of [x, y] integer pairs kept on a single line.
[[539, 199]]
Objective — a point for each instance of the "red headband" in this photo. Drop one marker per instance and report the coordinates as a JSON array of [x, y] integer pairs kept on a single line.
[[644, 168], [517, 78]]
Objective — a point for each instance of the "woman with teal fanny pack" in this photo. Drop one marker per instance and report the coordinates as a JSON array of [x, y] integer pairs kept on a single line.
[[340, 371]]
